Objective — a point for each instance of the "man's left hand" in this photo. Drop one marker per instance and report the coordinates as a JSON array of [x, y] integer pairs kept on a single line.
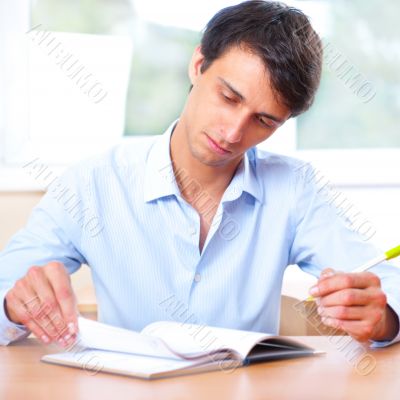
[[356, 304]]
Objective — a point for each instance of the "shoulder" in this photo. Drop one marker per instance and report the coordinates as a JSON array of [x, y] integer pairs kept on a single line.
[[127, 157], [269, 165]]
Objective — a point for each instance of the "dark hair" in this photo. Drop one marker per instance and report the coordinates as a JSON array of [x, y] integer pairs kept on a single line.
[[281, 36]]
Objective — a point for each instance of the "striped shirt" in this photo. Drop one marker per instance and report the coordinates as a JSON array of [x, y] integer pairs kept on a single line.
[[123, 215]]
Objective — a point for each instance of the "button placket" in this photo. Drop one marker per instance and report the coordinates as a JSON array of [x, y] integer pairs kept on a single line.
[[192, 230]]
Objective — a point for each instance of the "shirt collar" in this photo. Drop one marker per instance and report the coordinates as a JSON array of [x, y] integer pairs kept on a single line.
[[160, 179], [245, 180]]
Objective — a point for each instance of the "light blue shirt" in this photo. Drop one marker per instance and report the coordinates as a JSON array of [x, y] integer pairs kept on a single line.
[[122, 214]]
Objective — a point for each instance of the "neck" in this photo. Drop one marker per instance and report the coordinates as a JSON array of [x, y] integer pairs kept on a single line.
[[192, 175]]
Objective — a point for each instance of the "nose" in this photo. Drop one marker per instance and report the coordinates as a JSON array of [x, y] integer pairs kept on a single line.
[[232, 132]]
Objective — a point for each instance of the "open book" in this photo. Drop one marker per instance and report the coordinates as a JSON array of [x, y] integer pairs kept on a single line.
[[166, 348]]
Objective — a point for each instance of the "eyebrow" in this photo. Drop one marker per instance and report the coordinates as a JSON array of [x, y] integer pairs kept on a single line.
[[241, 97]]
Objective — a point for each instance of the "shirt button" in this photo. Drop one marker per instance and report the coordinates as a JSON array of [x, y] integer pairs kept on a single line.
[[192, 230], [197, 278]]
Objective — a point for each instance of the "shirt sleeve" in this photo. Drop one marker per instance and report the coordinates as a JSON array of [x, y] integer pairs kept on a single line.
[[51, 234], [9, 332], [329, 232]]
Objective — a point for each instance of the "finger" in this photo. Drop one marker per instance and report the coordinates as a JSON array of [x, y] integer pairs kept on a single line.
[[341, 281], [25, 318], [353, 313], [371, 296], [46, 312], [346, 297], [31, 301], [326, 273], [70, 342], [61, 284], [359, 330], [331, 322]]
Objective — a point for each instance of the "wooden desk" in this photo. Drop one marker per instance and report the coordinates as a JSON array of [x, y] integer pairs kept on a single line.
[[335, 375]]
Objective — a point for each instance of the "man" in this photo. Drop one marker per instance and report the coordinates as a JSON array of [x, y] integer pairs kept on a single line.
[[199, 216]]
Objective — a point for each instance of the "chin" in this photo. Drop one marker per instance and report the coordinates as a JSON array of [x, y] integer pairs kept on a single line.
[[211, 161], [205, 156]]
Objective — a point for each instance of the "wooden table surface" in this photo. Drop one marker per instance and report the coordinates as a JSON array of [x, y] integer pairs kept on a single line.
[[346, 371]]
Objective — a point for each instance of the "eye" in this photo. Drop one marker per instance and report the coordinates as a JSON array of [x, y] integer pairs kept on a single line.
[[264, 122], [228, 98]]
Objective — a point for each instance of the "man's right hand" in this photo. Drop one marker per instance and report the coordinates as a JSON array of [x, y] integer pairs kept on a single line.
[[44, 302]]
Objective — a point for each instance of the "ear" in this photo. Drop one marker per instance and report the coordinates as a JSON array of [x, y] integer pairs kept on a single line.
[[195, 65]]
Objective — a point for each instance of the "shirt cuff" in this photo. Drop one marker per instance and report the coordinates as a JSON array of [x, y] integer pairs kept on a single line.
[[395, 305], [9, 331]]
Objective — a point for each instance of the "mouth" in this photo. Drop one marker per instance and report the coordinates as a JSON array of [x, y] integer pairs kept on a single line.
[[216, 147]]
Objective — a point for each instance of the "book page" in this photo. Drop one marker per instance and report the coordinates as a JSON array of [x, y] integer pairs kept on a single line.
[[94, 361], [175, 340], [190, 340], [96, 335]]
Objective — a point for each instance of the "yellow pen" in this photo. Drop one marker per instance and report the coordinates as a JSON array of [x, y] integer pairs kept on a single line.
[[388, 255]]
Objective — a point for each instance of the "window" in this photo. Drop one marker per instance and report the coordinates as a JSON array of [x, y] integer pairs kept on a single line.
[[358, 104], [158, 81], [351, 132]]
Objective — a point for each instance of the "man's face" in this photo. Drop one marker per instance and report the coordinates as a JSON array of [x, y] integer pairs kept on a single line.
[[230, 108]]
